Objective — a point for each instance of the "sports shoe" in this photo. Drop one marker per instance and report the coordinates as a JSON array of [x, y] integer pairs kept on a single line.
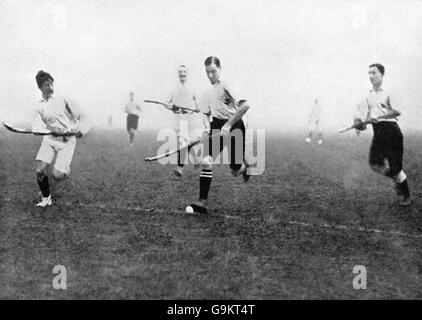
[[178, 172], [238, 172], [242, 171], [407, 201], [197, 207], [45, 202], [308, 140]]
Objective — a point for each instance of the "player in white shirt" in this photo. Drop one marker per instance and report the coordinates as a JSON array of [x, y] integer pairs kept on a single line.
[[58, 115], [133, 110], [315, 122], [222, 114], [188, 124], [386, 153]]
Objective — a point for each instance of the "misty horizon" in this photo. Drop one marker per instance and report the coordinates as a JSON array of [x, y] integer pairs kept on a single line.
[[278, 55]]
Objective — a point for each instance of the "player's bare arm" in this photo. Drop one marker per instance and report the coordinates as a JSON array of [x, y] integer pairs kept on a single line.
[[243, 108]]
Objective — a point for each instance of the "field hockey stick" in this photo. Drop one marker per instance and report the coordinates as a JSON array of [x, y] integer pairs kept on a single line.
[[168, 106], [38, 133], [354, 126], [170, 153]]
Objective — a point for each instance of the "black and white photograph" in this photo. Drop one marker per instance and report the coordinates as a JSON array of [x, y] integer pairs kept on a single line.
[[232, 151]]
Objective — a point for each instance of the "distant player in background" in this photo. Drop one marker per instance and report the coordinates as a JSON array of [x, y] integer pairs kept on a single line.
[[222, 114], [315, 122], [188, 124], [386, 152], [58, 115], [133, 110]]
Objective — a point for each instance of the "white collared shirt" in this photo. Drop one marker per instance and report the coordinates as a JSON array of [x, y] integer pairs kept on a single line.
[[221, 101], [132, 107], [59, 115], [376, 103], [183, 96]]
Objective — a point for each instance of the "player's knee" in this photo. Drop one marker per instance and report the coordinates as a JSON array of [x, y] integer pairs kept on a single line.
[[206, 163], [41, 171], [182, 141], [380, 169], [59, 176]]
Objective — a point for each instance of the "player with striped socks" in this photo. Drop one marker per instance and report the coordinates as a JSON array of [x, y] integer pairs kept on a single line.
[[223, 121]]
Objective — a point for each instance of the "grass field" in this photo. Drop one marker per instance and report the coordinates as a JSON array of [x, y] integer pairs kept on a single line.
[[295, 232]]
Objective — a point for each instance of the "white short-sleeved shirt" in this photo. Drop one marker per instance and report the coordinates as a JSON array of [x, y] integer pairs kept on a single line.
[[60, 115], [132, 107], [376, 103], [221, 101], [183, 96]]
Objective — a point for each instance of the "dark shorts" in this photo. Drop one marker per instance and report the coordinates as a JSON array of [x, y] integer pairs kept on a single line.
[[387, 143], [235, 143], [132, 122]]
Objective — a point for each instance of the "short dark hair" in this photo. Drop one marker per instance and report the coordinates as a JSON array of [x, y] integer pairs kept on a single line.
[[212, 60], [42, 77], [379, 66]]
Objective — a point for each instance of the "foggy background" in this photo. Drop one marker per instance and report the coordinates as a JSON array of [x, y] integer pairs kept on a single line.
[[280, 55]]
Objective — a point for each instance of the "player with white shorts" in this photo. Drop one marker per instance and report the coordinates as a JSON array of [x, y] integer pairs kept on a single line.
[[187, 123], [315, 122], [60, 116]]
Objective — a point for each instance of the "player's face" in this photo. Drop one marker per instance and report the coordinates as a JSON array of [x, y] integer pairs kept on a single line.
[[47, 88], [375, 76], [182, 74], [213, 73]]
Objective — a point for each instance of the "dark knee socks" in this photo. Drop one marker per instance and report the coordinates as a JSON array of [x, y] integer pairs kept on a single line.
[[205, 183], [43, 184]]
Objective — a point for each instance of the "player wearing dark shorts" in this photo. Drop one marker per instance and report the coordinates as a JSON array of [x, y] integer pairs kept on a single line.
[[235, 142], [132, 122], [386, 152], [223, 122], [132, 109]]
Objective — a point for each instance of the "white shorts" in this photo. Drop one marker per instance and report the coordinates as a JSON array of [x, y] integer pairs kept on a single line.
[[62, 151], [189, 126]]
